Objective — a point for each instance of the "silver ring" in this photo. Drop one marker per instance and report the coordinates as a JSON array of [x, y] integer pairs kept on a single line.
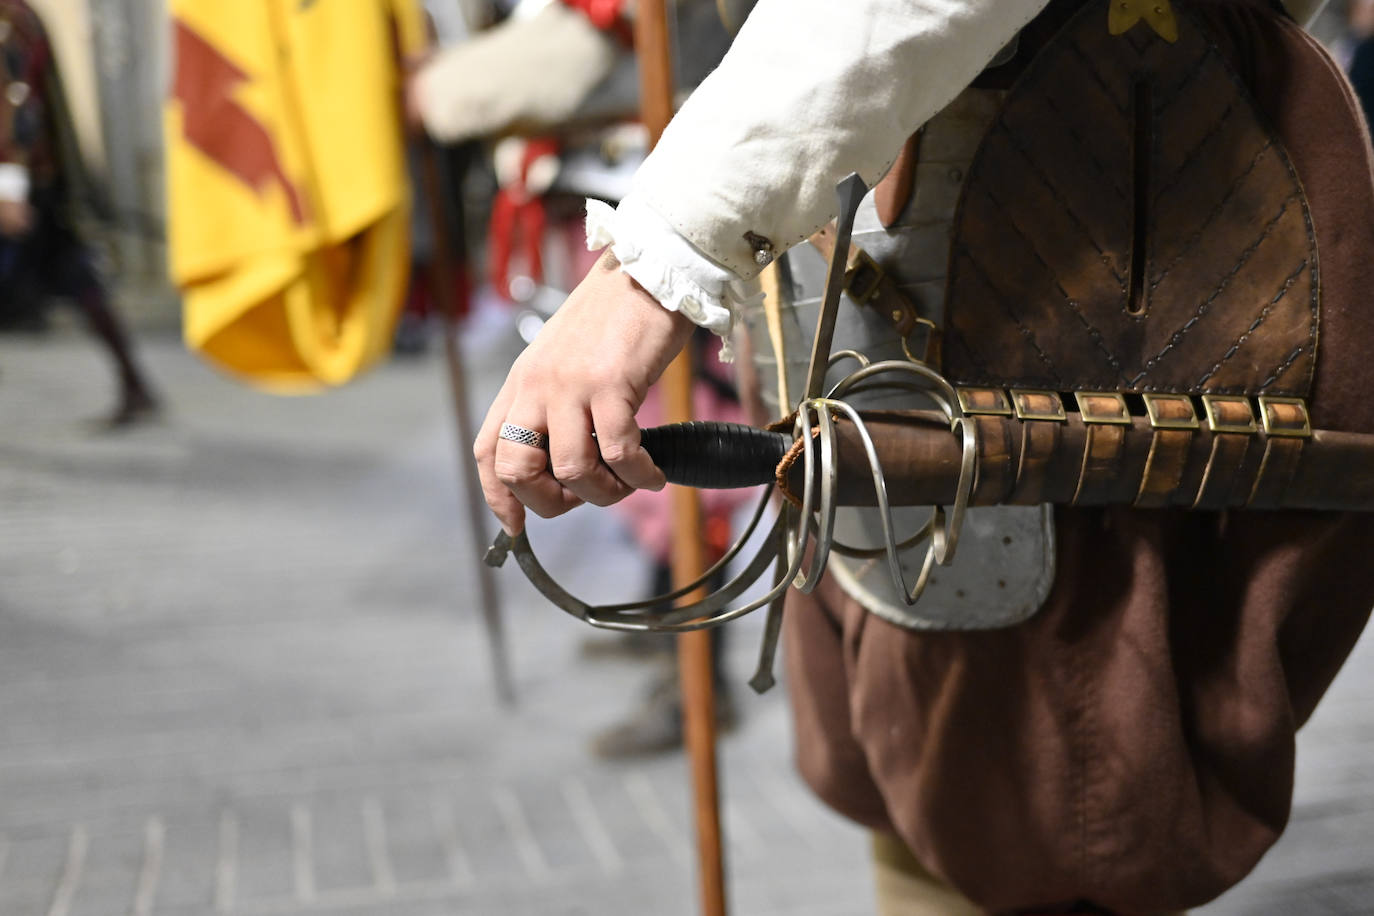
[[512, 432]]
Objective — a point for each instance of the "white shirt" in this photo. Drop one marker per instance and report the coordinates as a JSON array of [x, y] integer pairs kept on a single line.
[[810, 91]]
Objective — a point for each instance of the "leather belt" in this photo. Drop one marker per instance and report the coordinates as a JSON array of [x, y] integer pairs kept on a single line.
[[1033, 449]]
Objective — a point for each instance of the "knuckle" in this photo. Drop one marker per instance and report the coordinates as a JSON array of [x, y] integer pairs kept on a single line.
[[573, 471], [617, 452], [513, 474]]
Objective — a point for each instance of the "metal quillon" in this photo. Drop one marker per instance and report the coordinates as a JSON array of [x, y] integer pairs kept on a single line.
[[812, 524]]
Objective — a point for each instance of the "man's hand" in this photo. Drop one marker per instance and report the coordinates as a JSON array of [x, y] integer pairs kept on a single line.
[[586, 373], [16, 218]]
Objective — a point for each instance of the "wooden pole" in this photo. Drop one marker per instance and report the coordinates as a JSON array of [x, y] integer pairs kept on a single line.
[[689, 549], [441, 278]]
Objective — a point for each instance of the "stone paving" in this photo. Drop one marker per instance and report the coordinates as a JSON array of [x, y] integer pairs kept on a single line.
[[241, 672]]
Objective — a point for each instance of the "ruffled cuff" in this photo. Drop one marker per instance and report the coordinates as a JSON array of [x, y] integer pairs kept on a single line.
[[669, 268]]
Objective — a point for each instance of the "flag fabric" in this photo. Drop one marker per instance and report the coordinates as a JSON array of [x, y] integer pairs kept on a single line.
[[288, 203]]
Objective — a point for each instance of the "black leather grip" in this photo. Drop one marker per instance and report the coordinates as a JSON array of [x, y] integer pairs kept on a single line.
[[715, 456]]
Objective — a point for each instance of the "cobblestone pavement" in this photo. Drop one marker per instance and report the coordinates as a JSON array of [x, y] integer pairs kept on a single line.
[[241, 672]]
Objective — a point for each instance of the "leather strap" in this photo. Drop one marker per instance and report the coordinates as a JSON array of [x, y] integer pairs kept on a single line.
[[1101, 455], [867, 284], [996, 461], [1038, 442], [1068, 461], [1164, 468], [1276, 470], [1107, 420], [1223, 466]]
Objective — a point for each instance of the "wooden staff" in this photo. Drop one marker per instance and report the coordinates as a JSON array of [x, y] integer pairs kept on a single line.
[[689, 550], [442, 270]]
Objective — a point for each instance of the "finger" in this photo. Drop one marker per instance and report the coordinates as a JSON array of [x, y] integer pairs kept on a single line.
[[617, 435], [524, 470], [507, 509], [575, 460]]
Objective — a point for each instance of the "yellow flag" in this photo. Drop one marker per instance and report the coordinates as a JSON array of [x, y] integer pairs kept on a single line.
[[288, 202]]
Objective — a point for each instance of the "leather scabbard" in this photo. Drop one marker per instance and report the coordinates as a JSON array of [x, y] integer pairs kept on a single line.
[[1063, 463]]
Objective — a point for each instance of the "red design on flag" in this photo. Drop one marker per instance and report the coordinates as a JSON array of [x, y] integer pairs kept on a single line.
[[218, 126]]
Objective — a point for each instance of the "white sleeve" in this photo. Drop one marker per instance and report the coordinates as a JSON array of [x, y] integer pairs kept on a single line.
[[810, 91], [669, 268]]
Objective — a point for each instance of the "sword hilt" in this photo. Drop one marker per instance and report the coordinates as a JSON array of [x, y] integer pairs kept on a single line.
[[715, 456]]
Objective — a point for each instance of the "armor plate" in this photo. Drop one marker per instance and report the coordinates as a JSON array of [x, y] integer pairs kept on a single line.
[[1006, 555]]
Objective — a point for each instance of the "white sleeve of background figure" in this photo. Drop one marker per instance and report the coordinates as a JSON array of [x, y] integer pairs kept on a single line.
[[810, 91]]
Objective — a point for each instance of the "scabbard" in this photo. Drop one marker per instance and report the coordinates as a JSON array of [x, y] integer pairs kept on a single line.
[[1130, 462]]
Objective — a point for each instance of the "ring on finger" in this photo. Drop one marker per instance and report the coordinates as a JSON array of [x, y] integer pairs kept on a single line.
[[523, 435]]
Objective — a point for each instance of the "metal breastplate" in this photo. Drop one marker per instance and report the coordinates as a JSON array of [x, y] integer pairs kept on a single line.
[[1006, 557]]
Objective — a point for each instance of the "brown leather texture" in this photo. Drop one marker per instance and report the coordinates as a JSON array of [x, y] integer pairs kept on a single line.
[[1119, 149], [1132, 744], [868, 285], [1073, 463]]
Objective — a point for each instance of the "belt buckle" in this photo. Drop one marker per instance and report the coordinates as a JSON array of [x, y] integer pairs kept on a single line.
[[989, 402], [1296, 425], [864, 268], [1036, 404], [1171, 411], [1217, 406], [1107, 407]]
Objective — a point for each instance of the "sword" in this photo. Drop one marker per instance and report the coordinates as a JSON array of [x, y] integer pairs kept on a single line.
[[712, 455]]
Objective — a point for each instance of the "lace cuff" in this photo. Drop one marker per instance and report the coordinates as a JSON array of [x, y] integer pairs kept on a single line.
[[669, 268]]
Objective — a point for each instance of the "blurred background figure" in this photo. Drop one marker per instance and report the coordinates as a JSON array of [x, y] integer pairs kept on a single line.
[[655, 723], [241, 666], [44, 192], [1360, 19], [555, 86]]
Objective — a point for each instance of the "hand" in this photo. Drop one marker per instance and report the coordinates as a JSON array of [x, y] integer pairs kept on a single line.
[[587, 372], [16, 218]]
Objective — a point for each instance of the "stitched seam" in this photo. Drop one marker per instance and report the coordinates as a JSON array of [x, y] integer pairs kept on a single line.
[[1177, 92], [1283, 367], [1186, 248], [1192, 155], [1254, 325], [979, 365], [1096, 77], [1083, 145], [1058, 195], [1026, 332], [1073, 305], [1206, 304]]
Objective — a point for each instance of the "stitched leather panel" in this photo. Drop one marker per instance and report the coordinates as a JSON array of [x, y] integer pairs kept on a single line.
[[1042, 292]]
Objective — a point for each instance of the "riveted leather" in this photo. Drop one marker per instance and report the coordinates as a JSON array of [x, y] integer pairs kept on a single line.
[[1131, 224]]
